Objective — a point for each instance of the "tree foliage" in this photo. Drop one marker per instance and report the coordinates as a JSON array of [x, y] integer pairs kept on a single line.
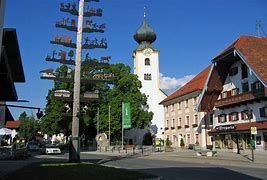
[[124, 87], [29, 126]]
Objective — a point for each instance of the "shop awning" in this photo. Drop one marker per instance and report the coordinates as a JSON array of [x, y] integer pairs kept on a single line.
[[237, 128]]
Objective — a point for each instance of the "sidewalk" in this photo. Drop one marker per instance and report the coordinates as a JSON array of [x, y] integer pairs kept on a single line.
[[224, 157]]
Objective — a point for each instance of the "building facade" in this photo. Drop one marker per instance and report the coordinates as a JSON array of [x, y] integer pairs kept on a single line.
[[182, 120], [2, 12], [236, 93], [146, 67]]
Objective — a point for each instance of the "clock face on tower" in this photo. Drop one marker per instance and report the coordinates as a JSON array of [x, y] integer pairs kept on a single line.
[[147, 52]]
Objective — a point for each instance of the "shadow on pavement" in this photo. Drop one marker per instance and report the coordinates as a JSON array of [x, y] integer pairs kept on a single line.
[[197, 173]]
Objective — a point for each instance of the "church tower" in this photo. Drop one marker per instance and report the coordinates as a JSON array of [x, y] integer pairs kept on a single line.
[[146, 67]]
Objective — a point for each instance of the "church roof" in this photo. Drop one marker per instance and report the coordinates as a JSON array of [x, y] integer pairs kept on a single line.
[[195, 84], [145, 45], [145, 33]]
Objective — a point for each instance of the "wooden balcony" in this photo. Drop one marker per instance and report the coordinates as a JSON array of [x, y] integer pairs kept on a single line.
[[240, 99]]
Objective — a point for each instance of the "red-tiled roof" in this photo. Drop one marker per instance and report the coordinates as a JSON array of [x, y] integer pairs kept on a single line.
[[254, 51], [197, 83], [12, 124]]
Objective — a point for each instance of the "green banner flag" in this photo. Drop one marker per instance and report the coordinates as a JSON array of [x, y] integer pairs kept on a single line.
[[126, 110]]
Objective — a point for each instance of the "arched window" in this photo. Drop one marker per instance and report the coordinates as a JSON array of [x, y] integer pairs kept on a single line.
[[147, 61]]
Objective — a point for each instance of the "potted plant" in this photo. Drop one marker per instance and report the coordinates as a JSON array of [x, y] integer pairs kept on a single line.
[[168, 147], [182, 143]]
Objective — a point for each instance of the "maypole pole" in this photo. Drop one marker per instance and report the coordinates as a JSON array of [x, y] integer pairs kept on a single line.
[[75, 148]]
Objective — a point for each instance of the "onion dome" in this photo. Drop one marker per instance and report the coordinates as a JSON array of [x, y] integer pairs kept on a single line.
[[145, 33]]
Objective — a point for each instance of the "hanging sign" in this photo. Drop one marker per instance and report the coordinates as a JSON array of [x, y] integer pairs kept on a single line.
[[253, 130]]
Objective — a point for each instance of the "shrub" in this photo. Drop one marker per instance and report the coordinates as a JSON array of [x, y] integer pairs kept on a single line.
[[182, 142], [168, 142]]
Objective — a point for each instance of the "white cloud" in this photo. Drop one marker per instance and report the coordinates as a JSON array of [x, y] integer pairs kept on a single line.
[[171, 84]]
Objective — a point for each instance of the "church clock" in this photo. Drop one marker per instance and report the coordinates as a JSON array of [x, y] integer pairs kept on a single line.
[[147, 52]]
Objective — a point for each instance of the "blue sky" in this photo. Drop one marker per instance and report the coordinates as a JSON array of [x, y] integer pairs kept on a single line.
[[189, 34]]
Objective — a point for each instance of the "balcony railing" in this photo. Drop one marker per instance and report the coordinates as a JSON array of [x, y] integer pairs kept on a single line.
[[240, 98]]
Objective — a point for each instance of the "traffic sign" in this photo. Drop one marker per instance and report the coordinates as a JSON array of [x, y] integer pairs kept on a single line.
[[253, 130]]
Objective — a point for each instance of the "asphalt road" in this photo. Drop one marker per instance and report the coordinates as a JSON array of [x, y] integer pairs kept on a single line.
[[172, 170], [167, 170]]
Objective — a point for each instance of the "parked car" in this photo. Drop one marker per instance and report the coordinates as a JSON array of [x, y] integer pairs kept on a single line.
[[32, 146], [51, 149]]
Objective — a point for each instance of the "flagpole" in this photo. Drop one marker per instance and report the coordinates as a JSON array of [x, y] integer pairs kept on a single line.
[[122, 125]]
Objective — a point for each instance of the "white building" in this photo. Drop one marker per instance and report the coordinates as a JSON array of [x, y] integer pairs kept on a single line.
[[146, 66], [235, 95]]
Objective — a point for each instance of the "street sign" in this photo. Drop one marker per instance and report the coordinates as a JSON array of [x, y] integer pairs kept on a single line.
[[253, 130]]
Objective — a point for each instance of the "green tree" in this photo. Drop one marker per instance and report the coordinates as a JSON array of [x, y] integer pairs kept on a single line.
[[54, 121], [124, 87], [29, 126]]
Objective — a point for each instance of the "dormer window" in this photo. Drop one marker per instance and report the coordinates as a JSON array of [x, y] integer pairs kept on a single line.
[[233, 71], [147, 62]]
